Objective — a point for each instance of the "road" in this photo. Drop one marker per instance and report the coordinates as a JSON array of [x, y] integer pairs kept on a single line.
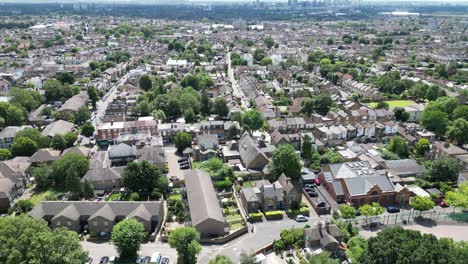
[[236, 91], [102, 104]]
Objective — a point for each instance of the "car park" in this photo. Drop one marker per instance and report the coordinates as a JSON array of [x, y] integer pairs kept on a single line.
[[301, 218], [393, 209]]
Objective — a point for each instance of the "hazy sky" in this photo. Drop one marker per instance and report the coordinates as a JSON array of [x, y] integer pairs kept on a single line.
[[156, 1]]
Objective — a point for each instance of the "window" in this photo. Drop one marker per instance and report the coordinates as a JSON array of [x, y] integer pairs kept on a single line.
[[69, 223]]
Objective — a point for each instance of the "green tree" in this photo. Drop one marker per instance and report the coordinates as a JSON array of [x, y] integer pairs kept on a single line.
[[27, 240], [127, 236], [269, 42], [88, 190], [93, 96], [22, 206], [423, 146], [23, 146], [205, 103], [252, 120], [408, 246], [69, 164], [26, 98], [159, 114], [373, 209], [307, 148], [421, 203], [398, 146], [348, 211], [266, 61], [53, 90], [66, 77], [87, 129], [70, 139], [460, 112], [357, 245], [382, 105], [445, 104], [232, 133], [186, 241], [458, 198], [220, 259], [35, 135], [82, 115], [182, 140], [58, 142], [145, 83], [190, 116], [323, 258], [285, 160], [220, 107], [319, 104], [143, 178], [43, 177], [435, 121], [73, 185], [4, 154], [458, 131], [443, 170]]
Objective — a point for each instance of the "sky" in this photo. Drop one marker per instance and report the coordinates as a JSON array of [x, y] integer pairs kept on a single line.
[[227, 1]]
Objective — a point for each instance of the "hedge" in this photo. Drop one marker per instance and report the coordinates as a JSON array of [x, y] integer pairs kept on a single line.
[[255, 216], [302, 211], [274, 214]]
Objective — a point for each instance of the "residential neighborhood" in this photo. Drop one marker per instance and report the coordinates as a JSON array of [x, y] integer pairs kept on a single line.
[[261, 132]]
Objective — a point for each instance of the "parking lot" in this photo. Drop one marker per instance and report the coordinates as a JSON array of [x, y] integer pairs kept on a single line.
[[99, 249], [172, 164]]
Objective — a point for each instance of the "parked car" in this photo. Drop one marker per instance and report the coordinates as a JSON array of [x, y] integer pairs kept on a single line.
[[146, 260], [111, 260], [90, 260], [104, 260], [183, 163], [309, 185], [443, 204], [312, 194], [185, 167], [393, 209], [301, 218], [155, 258], [321, 204], [309, 189], [164, 260], [139, 260], [182, 160]]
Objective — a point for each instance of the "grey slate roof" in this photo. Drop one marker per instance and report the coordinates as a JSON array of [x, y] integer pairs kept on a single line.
[[60, 127], [153, 154], [122, 150], [362, 185], [121, 209], [202, 198], [404, 167], [101, 174], [249, 150]]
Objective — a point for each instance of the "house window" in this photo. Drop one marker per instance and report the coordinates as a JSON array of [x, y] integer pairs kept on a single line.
[[68, 223], [279, 204]]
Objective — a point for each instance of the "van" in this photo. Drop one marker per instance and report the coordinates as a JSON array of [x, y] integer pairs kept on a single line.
[[155, 258]]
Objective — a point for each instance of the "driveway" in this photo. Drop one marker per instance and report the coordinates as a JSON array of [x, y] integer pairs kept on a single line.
[[172, 164]]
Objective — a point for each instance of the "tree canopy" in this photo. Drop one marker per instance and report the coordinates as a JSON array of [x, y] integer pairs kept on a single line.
[[458, 198], [442, 170], [285, 160], [252, 120], [186, 241], [182, 140], [27, 240], [421, 203], [144, 178], [127, 236]]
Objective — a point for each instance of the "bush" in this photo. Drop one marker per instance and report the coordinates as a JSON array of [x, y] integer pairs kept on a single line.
[[255, 216], [274, 215], [301, 211]]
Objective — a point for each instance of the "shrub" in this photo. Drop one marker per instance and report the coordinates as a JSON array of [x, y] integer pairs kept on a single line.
[[274, 215], [304, 211], [255, 216]]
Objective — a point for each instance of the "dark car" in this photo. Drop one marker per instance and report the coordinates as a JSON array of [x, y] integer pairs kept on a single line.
[[182, 160], [309, 185], [183, 163], [312, 194], [164, 260], [184, 167], [146, 260], [309, 189], [104, 260], [393, 209], [321, 204]]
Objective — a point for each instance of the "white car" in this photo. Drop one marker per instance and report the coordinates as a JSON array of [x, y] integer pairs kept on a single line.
[[301, 218]]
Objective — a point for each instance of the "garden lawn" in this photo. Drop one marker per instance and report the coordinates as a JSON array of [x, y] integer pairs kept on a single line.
[[394, 103], [39, 197], [114, 197], [175, 197]]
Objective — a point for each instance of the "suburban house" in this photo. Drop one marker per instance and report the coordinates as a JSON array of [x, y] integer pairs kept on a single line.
[[404, 171], [205, 211], [325, 236], [122, 153], [98, 217], [60, 127], [8, 135], [153, 154], [45, 156], [9, 191], [266, 196], [106, 179], [251, 154], [206, 147], [72, 105], [357, 183]]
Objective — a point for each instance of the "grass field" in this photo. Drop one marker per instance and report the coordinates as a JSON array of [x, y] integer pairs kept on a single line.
[[394, 103], [38, 197]]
